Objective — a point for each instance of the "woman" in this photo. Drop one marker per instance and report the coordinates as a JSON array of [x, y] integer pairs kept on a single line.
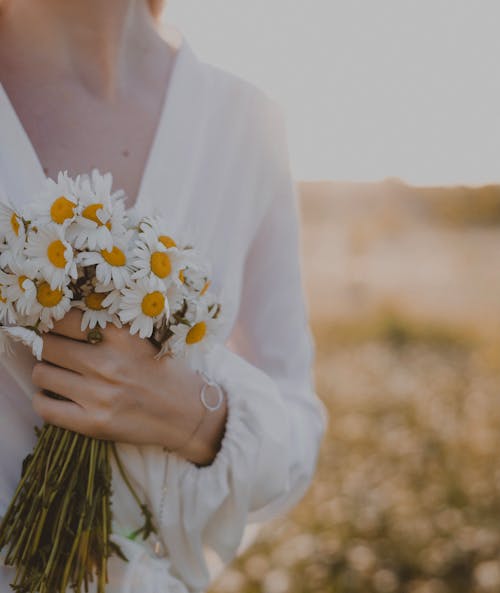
[[102, 84]]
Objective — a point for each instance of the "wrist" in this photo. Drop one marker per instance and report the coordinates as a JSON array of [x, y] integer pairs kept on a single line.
[[200, 428], [205, 444]]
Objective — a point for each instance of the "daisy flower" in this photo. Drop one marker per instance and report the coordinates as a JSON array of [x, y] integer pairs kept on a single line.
[[153, 227], [111, 265], [12, 227], [56, 203], [94, 311], [102, 213], [27, 336], [157, 256], [158, 224], [113, 298], [50, 304], [7, 312], [133, 217], [5, 252], [175, 297], [196, 278], [19, 284], [156, 227], [192, 341], [143, 305], [5, 342], [51, 254]]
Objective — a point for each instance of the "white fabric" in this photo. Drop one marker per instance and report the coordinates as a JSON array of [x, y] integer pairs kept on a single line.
[[218, 166]]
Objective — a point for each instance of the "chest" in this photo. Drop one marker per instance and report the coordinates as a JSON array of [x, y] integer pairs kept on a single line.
[[70, 129], [205, 173]]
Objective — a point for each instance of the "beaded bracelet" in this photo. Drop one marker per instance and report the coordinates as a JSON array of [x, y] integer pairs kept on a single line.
[[206, 406]]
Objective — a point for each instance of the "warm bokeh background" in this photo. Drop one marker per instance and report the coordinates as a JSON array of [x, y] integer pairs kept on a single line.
[[404, 293]]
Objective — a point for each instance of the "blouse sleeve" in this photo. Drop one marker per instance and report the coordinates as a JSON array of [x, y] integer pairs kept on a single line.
[[275, 420]]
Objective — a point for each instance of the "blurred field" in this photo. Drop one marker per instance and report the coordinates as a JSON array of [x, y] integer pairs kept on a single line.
[[404, 304], [427, 252]]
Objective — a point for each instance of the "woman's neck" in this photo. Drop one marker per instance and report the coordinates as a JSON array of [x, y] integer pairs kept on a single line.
[[95, 41]]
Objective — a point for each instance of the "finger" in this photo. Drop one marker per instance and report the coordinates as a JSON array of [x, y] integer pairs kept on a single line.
[[67, 353], [70, 326], [67, 383], [70, 415], [65, 414]]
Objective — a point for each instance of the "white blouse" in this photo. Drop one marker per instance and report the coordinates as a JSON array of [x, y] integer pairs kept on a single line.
[[218, 166]]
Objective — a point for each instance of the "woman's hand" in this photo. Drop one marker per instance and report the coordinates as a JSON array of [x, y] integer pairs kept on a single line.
[[120, 392]]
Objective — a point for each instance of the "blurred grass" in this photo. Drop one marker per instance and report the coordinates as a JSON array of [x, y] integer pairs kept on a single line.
[[392, 326], [407, 493], [465, 206], [455, 206]]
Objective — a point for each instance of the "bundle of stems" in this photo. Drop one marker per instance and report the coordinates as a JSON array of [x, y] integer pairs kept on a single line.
[[57, 527]]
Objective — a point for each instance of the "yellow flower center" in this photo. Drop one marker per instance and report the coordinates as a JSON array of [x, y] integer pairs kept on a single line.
[[94, 300], [14, 223], [2, 298], [167, 241], [20, 281], [61, 209], [160, 264], [115, 257], [48, 297], [55, 253], [181, 276], [204, 289], [153, 304], [90, 212], [196, 333]]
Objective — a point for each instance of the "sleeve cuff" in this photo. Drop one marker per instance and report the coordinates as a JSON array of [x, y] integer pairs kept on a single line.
[[257, 428]]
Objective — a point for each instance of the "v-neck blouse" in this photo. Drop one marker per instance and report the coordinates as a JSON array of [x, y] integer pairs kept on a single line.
[[23, 149], [219, 170]]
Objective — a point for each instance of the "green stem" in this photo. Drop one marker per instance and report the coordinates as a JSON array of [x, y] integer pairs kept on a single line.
[[61, 519], [39, 449], [148, 526], [123, 474]]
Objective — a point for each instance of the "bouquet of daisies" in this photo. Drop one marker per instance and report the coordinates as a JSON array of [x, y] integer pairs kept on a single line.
[[76, 245]]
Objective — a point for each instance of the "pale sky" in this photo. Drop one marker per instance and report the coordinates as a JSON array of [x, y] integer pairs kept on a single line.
[[370, 88]]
